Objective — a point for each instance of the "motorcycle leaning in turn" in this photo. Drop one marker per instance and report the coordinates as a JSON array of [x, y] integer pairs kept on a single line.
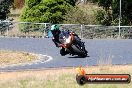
[[71, 44]]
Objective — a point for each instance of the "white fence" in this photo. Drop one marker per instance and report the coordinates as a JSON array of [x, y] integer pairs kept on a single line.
[[23, 29], [39, 30], [97, 31]]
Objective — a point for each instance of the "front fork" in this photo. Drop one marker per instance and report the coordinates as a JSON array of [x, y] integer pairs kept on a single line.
[[68, 50]]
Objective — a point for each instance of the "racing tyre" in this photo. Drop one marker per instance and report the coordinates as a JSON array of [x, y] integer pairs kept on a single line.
[[62, 52]]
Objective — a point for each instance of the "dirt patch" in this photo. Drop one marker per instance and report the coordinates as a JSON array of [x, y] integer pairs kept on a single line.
[[14, 57]]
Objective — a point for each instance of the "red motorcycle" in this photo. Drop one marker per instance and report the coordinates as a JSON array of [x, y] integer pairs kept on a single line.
[[70, 45]]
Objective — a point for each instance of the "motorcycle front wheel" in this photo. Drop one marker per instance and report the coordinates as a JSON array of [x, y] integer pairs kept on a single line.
[[63, 52]]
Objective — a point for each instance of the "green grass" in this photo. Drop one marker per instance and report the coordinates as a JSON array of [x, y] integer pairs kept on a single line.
[[59, 79], [63, 81]]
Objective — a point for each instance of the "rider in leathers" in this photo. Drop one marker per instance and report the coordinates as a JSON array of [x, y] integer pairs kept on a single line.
[[56, 32]]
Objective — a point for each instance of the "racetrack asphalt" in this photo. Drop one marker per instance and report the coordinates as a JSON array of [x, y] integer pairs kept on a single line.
[[101, 51]]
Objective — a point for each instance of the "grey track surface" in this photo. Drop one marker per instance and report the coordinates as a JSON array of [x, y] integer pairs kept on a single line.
[[120, 52]]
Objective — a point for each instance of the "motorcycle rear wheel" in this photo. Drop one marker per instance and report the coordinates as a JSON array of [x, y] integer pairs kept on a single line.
[[85, 54]]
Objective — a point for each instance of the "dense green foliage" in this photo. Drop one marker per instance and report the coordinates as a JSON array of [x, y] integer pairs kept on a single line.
[[110, 14], [126, 12], [4, 8], [48, 11]]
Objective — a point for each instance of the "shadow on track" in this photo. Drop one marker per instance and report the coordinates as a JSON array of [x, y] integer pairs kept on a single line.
[[77, 57]]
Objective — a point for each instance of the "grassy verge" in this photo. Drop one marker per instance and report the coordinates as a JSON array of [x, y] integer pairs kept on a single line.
[[59, 78], [14, 57]]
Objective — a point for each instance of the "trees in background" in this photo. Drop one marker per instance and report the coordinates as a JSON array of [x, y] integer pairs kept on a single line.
[[53, 11], [76, 15], [4, 8], [110, 13], [4, 11], [45, 11], [126, 12], [48, 11]]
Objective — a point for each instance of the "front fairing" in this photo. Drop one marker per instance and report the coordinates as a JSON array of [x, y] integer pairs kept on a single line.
[[65, 38]]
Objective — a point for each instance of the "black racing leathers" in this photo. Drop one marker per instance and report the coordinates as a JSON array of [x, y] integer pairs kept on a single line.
[[56, 37], [56, 34]]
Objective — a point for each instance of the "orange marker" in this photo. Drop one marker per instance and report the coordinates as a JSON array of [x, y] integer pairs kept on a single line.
[[81, 70]]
